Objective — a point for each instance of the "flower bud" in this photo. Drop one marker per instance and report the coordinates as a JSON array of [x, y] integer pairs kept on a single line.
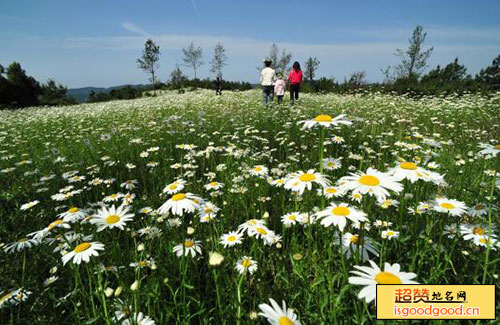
[[109, 292], [118, 291], [135, 286]]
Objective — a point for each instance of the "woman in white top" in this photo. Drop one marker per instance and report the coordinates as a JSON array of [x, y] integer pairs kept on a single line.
[[267, 78]]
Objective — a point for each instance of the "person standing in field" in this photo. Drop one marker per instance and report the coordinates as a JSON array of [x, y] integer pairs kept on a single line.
[[295, 79], [267, 77], [279, 88], [218, 86]]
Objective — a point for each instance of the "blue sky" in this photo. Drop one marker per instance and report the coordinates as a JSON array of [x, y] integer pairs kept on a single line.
[[96, 43]]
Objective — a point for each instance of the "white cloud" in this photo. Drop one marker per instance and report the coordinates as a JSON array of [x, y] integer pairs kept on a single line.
[[133, 28]]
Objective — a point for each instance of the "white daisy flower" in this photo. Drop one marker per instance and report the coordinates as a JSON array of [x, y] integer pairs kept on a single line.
[[389, 234], [83, 252], [249, 225], [181, 203], [352, 245], [326, 121], [112, 218], [213, 186], [337, 214], [277, 315], [486, 241], [371, 276], [29, 205], [290, 219], [73, 214], [189, 246], [139, 319], [259, 170], [231, 238], [470, 232], [372, 182], [450, 206], [489, 149], [300, 181], [332, 163], [175, 187], [21, 244], [246, 264]]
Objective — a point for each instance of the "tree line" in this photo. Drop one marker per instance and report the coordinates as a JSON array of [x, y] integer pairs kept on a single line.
[[17, 89]]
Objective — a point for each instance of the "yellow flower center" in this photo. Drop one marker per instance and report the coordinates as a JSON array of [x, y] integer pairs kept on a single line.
[[231, 238], [369, 180], [55, 223], [478, 231], [285, 321], [483, 241], [340, 211], [479, 207], [178, 197], [22, 240], [292, 217], [142, 263], [323, 118], [252, 221], [173, 186], [113, 196], [6, 297], [188, 243], [208, 210], [113, 218], [246, 263], [73, 210], [496, 147], [82, 247], [213, 183], [258, 168], [331, 190], [387, 278], [390, 233], [262, 231], [354, 239], [447, 205], [307, 177], [408, 165]]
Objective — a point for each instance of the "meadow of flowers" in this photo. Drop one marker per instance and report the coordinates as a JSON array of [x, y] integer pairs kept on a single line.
[[197, 209]]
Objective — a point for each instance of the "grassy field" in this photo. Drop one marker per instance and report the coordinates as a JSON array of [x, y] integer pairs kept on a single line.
[[225, 203]]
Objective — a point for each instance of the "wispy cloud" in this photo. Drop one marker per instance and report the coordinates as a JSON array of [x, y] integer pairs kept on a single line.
[[195, 7], [134, 29]]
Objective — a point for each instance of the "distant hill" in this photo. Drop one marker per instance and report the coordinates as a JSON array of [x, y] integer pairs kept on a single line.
[[81, 94]]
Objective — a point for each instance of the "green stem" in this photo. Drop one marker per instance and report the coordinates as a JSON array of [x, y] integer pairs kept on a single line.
[[488, 245], [238, 314]]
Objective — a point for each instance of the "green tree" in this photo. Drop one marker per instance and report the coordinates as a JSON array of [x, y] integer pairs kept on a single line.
[[312, 65], [489, 77], [149, 60], [53, 94], [414, 59], [219, 60], [193, 57], [177, 78], [23, 88]]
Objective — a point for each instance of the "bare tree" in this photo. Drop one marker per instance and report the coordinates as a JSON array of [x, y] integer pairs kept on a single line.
[[149, 60], [219, 60], [284, 61], [356, 79], [311, 67], [414, 59], [193, 57]]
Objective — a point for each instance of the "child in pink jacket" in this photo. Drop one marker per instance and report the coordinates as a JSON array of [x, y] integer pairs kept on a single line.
[[279, 88]]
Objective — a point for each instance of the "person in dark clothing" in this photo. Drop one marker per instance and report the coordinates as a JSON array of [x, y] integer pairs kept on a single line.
[[295, 79], [218, 86]]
